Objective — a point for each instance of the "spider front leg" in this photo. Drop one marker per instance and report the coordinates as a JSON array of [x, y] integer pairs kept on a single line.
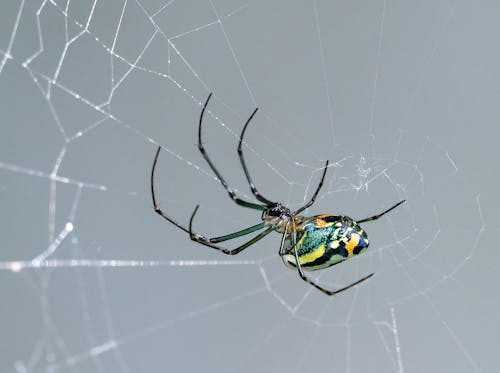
[[198, 237], [223, 182], [253, 188], [313, 198], [307, 279], [153, 196], [210, 242]]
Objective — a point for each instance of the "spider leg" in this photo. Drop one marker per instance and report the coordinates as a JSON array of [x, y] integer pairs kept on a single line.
[[245, 169], [231, 192], [188, 230], [311, 282], [155, 205], [283, 238], [375, 217], [313, 198], [242, 232], [210, 242]]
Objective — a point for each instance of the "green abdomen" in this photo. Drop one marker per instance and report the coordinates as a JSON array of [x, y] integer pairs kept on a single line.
[[315, 251], [320, 245]]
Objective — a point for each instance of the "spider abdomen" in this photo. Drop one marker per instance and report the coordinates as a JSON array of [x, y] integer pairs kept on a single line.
[[323, 241]]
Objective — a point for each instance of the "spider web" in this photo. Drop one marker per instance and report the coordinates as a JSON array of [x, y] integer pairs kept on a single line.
[[401, 98]]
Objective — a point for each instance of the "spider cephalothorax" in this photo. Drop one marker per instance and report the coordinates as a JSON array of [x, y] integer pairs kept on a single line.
[[277, 216], [309, 243]]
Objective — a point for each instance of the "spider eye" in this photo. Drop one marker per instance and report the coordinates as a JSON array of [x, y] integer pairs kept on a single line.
[[271, 212], [274, 212]]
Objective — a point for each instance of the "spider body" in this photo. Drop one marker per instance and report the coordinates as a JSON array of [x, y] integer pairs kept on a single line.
[[309, 243]]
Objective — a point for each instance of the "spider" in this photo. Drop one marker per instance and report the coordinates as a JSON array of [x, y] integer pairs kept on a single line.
[[307, 243]]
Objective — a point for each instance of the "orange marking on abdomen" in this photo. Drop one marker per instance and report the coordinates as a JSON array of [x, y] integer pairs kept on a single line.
[[320, 220], [352, 243]]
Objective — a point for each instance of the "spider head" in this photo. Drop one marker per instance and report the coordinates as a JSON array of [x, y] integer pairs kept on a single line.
[[277, 215]]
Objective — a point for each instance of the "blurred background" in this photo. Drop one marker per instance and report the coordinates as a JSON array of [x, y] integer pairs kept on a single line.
[[401, 97]]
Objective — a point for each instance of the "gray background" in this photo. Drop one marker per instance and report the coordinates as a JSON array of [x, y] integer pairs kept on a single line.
[[401, 96]]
